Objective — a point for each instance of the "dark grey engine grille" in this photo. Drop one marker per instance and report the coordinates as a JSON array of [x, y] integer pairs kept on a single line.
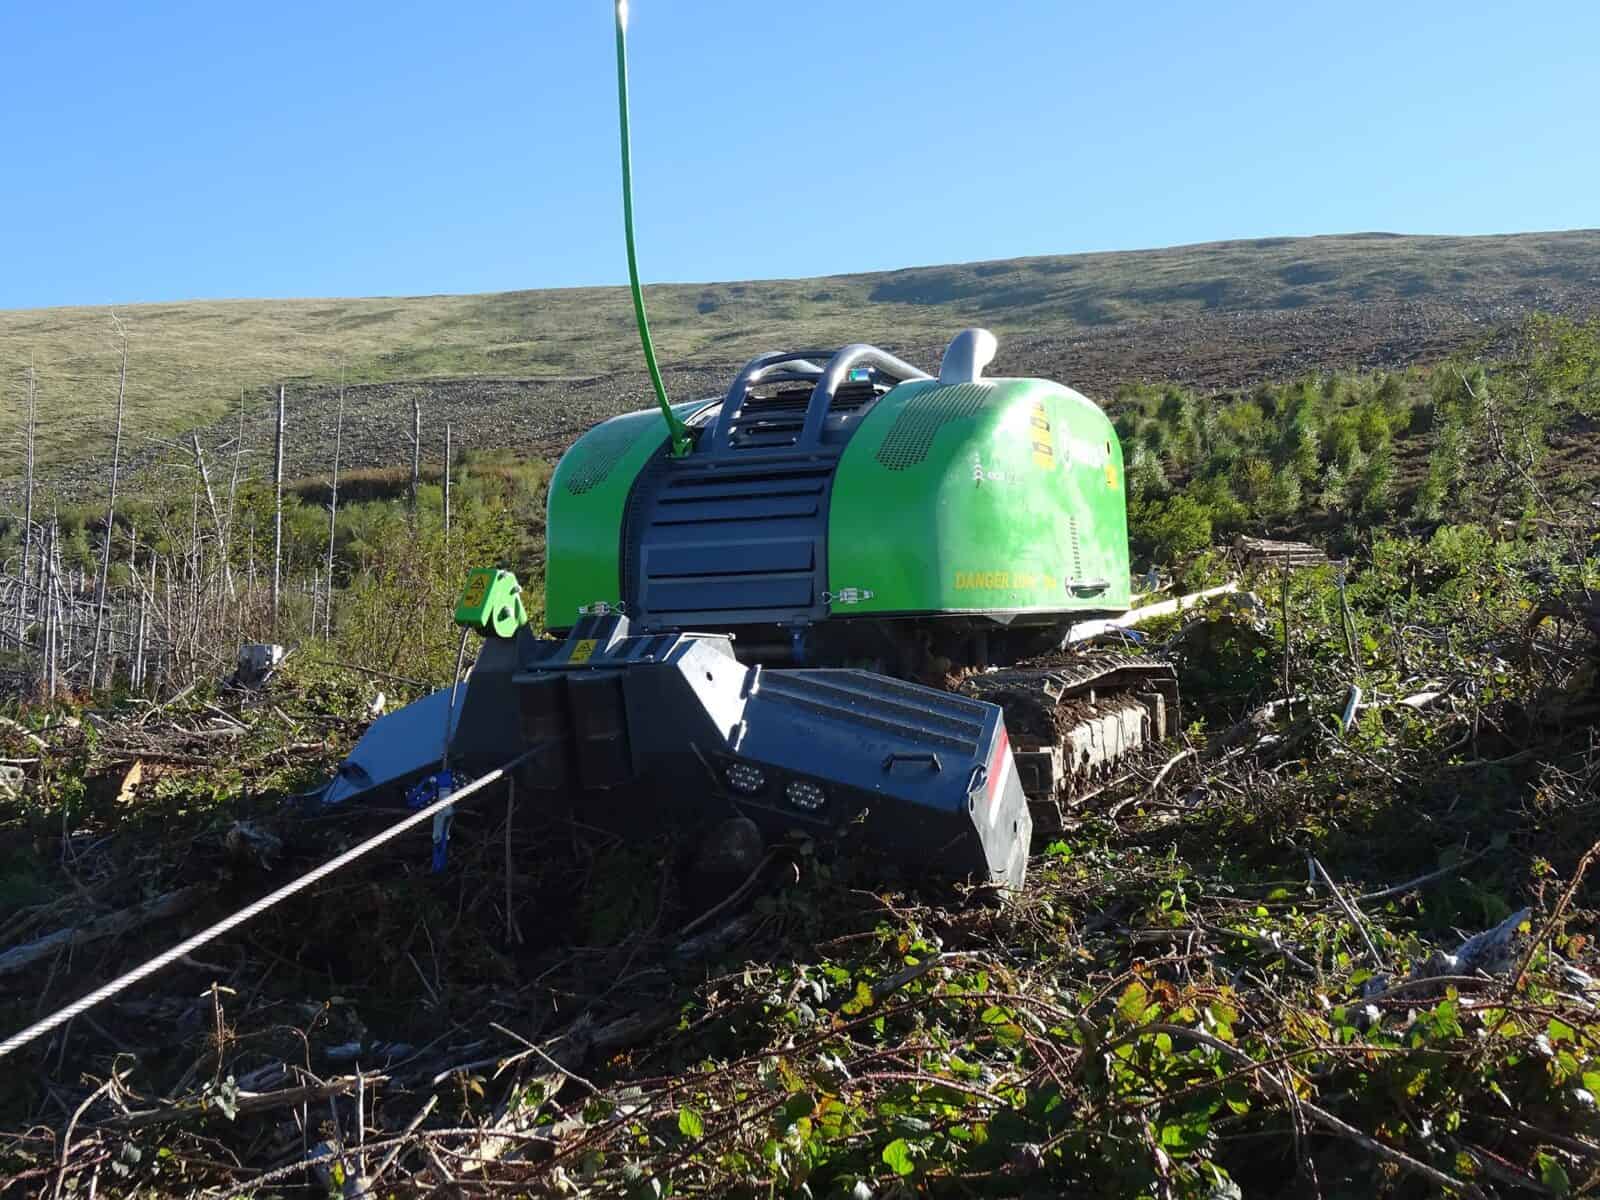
[[730, 544]]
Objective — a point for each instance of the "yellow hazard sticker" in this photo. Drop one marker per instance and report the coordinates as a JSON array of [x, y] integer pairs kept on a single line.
[[1001, 581], [1041, 440], [476, 587], [583, 650], [1111, 475], [982, 580]]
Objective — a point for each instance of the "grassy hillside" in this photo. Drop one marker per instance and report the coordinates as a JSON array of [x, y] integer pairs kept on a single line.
[[190, 360]]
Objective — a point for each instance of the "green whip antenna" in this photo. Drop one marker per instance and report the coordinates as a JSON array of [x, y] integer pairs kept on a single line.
[[675, 428]]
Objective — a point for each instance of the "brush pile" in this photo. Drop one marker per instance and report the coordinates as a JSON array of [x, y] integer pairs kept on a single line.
[[1339, 944]]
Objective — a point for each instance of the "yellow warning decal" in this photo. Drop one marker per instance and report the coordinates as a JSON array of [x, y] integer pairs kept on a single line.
[[1000, 581], [583, 650], [1111, 475], [1042, 441], [982, 580], [473, 592]]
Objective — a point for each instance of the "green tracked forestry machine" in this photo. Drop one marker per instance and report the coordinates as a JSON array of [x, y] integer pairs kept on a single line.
[[839, 595]]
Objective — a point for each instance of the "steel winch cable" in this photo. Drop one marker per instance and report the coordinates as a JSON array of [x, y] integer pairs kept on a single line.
[[168, 957]]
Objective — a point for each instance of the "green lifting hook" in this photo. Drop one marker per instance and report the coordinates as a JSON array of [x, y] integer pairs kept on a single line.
[[491, 603]]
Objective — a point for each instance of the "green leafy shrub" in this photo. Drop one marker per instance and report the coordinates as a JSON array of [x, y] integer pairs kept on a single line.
[[1330, 491], [1228, 514], [1373, 484], [1372, 426], [1251, 480], [1565, 360], [1302, 453], [1172, 528], [1342, 440], [1146, 478], [1284, 495], [395, 613], [1154, 437]]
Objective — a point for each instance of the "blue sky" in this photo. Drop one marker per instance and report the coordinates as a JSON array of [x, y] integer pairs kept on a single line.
[[164, 151]]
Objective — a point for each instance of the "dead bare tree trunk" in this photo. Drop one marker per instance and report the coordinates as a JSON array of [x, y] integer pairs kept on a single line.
[[227, 539], [51, 623], [277, 515], [447, 489], [194, 589], [416, 450], [111, 514], [40, 574], [233, 481], [136, 624], [136, 680], [333, 510], [27, 511], [216, 517]]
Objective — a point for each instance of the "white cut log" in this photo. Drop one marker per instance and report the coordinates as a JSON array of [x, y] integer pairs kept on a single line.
[[1088, 629]]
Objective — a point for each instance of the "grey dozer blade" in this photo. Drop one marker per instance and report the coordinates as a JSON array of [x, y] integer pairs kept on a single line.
[[670, 729]]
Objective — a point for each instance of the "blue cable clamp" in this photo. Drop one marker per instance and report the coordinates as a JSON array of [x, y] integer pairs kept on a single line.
[[429, 790]]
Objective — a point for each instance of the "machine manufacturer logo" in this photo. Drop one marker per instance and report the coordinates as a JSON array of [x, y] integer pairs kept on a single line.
[[1087, 454]]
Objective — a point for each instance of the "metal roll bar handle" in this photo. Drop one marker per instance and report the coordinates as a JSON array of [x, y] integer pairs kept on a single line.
[[801, 369], [834, 374]]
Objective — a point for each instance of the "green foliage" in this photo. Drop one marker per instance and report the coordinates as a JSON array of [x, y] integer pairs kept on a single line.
[[1372, 426], [1337, 447], [1153, 437], [394, 615], [1342, 440], [1391, 394], [1227, 658], [1177, 408], [1251, 478], [1284, 495], [395, 571], [897, 1155], [1564, 360], [1490, 434], [1303, 453], [1373, 485], [1146, 478], [1171, 528], [1206, 569], [1227, 512], [1241, 424]]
